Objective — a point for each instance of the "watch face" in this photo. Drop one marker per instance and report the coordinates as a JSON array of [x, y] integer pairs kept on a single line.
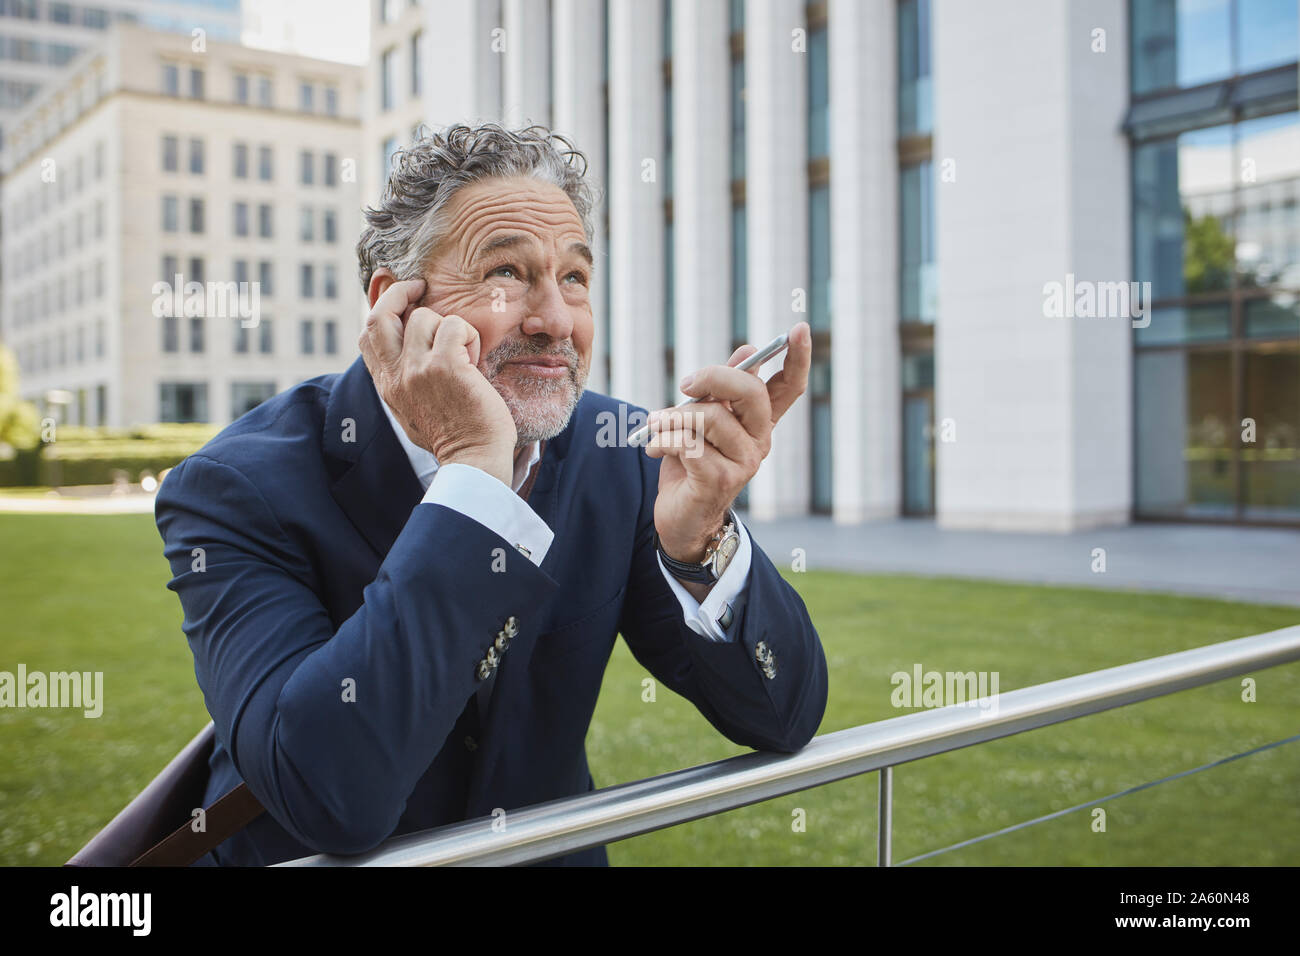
[[727, 548]]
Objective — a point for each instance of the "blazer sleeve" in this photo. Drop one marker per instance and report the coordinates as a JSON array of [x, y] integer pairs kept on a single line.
[[332, 728], [774, 707]]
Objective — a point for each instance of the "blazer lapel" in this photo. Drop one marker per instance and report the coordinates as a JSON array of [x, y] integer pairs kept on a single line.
[[374, 483]]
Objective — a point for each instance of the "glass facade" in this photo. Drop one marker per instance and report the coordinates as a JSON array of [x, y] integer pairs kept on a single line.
[[914, 97], [1216, 233]]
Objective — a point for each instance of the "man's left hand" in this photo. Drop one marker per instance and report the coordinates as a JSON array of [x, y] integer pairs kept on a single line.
[[712, 448]]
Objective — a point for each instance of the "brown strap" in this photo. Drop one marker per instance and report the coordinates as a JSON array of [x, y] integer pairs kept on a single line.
[[238, 808], [222, 820]]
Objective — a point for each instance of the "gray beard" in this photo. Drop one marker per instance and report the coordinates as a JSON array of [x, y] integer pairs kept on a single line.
[[541, 408]]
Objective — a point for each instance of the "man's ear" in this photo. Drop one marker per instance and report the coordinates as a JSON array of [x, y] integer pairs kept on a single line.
[[380, 280]]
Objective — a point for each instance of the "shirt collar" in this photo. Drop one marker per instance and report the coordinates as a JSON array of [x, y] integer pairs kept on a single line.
[[425, 464]]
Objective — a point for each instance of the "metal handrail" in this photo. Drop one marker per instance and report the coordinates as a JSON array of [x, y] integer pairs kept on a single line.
[[570, 824]]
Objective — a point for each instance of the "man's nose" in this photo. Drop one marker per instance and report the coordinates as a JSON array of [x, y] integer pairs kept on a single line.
[[547, 312]]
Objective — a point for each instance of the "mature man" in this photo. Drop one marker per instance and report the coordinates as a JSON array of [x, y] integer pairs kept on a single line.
[[402, 583]]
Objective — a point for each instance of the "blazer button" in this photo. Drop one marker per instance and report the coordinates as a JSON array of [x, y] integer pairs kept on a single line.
[[512, 627], [502, 642], [766, 659], [484, 670], [471, 743], [492, 658]]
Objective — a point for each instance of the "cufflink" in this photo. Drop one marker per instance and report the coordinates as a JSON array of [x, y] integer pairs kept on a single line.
[[766, 659]]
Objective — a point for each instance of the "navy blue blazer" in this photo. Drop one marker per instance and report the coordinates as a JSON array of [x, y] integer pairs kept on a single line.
[[304, 568]]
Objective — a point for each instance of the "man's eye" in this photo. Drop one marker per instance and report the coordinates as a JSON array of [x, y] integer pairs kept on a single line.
[[507, 271], [579, 275]]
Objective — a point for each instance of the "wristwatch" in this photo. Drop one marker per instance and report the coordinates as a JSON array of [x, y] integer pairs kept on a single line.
[[718, 553]]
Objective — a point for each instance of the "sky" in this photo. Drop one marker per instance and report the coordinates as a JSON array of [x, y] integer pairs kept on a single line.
[[329, 29]]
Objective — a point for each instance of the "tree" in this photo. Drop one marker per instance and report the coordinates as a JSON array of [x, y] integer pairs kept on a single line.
[[19, 421], [1207, 254]]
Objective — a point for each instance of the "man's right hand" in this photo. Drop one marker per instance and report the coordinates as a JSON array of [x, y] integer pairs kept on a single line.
[[425, 366]]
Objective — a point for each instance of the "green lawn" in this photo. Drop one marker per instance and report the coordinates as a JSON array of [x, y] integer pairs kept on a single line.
[[87, 593]]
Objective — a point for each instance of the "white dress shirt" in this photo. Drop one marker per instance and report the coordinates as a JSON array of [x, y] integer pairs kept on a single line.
[[480, 496]]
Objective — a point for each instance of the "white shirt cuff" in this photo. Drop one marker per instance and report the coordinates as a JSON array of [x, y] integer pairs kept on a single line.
[[477, 495], [722, 601]]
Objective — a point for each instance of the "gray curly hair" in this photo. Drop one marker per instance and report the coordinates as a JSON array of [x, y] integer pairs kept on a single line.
[[410, 219]]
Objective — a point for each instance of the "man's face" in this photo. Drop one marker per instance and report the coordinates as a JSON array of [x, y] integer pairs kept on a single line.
[[516, 266]]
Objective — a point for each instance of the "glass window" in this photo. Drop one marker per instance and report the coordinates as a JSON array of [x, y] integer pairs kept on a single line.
[[1181, 324], [819, 265], [264, 98], [1275, 317], [183, 402], [264, 167], [196, 216], [171, 79], [1267, 34], [265, 341], [242, 339], [914, 93], [196, 333], [1180, 43], [331, 101], [264, 221], [171, 336], [331, 344], [307, 330], [240, 270], [818, 95], [417, 38], [241, 87], [330, 281], [306, 233], [739, 275], [306, 97], [240, 161], [264, 276], [1186, 433], [387, 78], [241, 219], [1182, 208], [171, 214], [329, 226], [196, 83], [308, 168], [918, 281], [170, 154], [737, 119], [1270, 464], [307, 280], [196, 156], [330, 173], [1267, 240]]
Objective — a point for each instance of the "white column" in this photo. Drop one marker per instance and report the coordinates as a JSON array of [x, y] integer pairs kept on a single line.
[[636, 215], [527, 69], [865, 396], [459, 62], [776, 196], [578, 30], [701, 184], [1038, 408]]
